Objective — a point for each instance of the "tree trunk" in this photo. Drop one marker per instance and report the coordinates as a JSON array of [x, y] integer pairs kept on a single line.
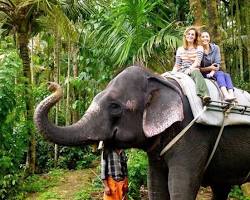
[[57, 79], [239, 40], [196, 10], [234, 68], [67, 117], [31, 62], [245, 32], [214, 25], [248, 35], [23, 41], [76, 95]]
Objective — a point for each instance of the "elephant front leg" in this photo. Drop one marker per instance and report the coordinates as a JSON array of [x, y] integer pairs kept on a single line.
[[183, 184], [157, 180]]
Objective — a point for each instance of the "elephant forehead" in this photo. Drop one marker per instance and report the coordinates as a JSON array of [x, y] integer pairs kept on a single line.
[[93, 108], [131, 104]]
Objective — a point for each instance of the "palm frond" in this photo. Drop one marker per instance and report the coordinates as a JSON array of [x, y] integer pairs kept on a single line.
[[165, 37], [51, 23], [133, 30], [77, 10], [6, 3], [41, 4]]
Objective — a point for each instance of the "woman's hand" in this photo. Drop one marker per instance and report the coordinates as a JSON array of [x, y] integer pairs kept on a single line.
[[214, 67], [187, 71], [190, 69]]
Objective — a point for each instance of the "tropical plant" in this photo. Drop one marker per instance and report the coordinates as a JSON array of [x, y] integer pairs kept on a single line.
[[13, 129], [19, 18], [83, 45], [131, 31], [137, 168]]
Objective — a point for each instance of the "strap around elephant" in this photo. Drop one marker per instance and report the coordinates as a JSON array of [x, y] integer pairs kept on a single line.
[[177, 137], [226, 113], [216, 144]]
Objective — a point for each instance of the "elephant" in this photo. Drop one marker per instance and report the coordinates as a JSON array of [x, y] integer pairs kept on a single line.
[[140, 109]]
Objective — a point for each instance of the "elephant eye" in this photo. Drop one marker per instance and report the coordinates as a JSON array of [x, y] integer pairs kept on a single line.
[[115, 109]]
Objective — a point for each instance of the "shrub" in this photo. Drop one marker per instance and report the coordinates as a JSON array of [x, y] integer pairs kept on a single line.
[[137, 169], [49, 196], [10, 185], [13, 127], [93, 192], [76, 157], [237, 193], [84, 194], [36, 183]]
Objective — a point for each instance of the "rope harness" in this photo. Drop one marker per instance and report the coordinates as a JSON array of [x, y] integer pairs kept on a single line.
[[176, 138], [247, 176], [220, 106], [226, 112]]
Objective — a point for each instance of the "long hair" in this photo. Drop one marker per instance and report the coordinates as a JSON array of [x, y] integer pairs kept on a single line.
[[196, 40]]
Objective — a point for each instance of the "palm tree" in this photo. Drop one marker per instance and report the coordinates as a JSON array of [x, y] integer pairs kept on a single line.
[[133, 31], [20, 18]]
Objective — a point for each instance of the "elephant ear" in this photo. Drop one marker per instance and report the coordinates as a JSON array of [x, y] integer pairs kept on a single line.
[[163, 106]]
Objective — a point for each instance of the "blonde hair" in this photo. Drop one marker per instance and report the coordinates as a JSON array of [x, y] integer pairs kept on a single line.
[[196, 40]]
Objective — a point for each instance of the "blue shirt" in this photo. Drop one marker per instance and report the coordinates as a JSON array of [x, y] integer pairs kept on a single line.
[[212, 57]]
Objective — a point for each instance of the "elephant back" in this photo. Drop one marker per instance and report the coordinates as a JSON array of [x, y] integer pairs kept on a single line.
[[214, 115]]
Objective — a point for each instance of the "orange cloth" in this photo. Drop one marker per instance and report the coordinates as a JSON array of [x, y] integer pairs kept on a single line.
[[116, 189]]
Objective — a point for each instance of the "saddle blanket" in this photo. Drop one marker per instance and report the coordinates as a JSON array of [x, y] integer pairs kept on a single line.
[[214, 115]]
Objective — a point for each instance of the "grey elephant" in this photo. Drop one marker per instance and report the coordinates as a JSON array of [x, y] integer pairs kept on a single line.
[[138, 103]]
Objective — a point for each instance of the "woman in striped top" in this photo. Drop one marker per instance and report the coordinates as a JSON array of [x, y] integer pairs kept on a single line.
[[188, 60]]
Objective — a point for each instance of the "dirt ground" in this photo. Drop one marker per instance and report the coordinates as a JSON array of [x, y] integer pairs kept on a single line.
[[204, 194], [74, 181], [71, 182]]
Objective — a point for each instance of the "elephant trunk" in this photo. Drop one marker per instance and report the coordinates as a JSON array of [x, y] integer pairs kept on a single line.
[[77, 134]]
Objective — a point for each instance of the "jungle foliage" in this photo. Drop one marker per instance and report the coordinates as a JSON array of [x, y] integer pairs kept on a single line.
[[82, 45]]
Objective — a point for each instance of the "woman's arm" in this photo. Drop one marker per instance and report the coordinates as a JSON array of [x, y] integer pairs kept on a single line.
[[198, 58], [209, 68], [178, 60], [216, 61], [217, 56]]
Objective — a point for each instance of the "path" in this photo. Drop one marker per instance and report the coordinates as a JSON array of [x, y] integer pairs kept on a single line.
[[204, 194], [72, 182], [75, 180]]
